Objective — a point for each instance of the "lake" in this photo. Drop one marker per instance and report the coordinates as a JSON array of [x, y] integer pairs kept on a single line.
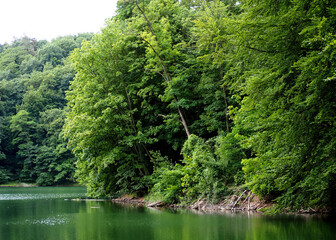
[[49, 213]]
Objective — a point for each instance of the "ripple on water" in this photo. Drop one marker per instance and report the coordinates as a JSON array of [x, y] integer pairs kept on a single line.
[[27, 196], [50, 221]]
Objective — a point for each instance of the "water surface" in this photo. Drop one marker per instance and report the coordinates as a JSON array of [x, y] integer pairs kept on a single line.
[[50, 214]]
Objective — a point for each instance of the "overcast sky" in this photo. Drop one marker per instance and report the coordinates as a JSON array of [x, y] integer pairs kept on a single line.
[[47, 19]]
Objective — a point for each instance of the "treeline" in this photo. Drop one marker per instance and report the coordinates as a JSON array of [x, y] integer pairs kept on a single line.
[[34, 76]]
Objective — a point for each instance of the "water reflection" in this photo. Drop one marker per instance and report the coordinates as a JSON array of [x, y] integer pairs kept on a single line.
[[44, 217]]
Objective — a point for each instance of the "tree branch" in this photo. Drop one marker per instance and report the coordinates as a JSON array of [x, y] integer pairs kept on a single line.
[[261, 50], [165, 69], [165, 116]]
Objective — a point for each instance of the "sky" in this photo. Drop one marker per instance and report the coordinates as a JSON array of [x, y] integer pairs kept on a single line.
[[48, 19]]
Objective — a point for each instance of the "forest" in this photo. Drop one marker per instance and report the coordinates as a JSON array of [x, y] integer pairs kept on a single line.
[[179, 100], [34, 76]]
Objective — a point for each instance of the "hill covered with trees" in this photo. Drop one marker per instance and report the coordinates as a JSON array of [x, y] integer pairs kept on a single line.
[[34, 76]]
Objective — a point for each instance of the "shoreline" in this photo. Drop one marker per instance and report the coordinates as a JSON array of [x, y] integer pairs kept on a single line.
[[245, 202], [233, 204]]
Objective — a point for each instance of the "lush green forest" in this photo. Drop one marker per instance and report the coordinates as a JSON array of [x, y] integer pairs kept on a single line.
[[180, 100], [34, 76]]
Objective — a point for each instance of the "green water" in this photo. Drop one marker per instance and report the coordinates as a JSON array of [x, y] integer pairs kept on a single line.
[[48, 214]]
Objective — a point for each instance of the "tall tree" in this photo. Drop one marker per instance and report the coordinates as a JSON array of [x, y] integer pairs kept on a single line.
[[287, 110], [163, 37], [103, 126]]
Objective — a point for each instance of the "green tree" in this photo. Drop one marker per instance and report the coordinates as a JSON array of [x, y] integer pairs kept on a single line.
[[10, 61], [208, 169], [25, 133], [4, 173], [159, 30], [285, 81], [54, 162], [51, 53], [212, 36], [103, 129]]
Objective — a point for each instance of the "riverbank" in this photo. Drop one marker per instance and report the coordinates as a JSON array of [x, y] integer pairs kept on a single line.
[[243, 202], [246, 201]]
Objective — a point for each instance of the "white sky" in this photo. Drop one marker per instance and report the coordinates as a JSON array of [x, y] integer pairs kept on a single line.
[[48, 19]]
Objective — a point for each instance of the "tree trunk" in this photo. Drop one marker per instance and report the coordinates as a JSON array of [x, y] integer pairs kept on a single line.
[[225, 101], [165, 74]]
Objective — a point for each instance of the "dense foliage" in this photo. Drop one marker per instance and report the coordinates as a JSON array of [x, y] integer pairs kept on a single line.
[[287, 108], [34, 76], [186, 99], [181, 100], [139, 93]]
